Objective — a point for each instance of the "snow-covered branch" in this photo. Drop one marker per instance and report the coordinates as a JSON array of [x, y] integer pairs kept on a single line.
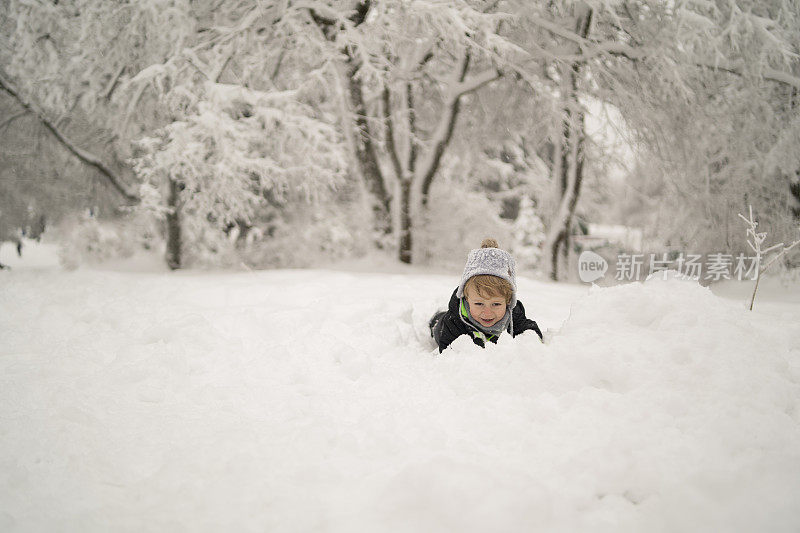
[[84, 156], [474, 83], [591, 49], [755, 240], [114, 82], [558, 30], [767, 73], [322, 12]]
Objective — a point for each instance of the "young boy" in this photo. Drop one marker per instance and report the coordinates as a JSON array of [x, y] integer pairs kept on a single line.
[[485, 303]]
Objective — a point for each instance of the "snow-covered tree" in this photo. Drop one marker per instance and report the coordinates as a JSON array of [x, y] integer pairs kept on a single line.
[[234, 149], [405, 69], [660, 62], [408, 84], [41, 72], [709, 90], [157, 76], [529, 235]]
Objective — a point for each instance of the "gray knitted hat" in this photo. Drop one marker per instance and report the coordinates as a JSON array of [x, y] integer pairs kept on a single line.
[[492, 261]]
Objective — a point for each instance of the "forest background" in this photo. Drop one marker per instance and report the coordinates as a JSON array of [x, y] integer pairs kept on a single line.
[[274, 134]]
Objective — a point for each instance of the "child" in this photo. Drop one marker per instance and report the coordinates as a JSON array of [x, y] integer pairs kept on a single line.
[[485, 303]]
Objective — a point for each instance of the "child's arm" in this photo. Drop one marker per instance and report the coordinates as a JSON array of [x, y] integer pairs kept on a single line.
[[452, 328], [523, 323]]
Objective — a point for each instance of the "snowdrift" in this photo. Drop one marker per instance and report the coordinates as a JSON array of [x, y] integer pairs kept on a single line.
[[316, 401]]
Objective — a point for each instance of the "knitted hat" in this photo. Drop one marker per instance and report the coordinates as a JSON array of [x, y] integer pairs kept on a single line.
[[493, 261]]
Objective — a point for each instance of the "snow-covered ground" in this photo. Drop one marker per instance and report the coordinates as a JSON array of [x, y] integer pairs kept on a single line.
[[314, 400]]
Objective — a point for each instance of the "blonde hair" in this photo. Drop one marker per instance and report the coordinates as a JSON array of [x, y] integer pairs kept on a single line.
[[488, 286]]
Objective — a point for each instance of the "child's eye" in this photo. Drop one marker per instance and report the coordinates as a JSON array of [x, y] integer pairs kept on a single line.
[[496, 305]]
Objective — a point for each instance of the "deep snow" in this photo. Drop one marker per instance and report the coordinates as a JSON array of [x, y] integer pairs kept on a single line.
[[314, 400]]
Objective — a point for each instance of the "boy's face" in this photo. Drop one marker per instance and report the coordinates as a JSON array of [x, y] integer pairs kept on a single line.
[[487, 311]]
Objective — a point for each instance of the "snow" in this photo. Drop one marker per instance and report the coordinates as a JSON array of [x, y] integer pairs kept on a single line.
[[314, 400], [627, 237]]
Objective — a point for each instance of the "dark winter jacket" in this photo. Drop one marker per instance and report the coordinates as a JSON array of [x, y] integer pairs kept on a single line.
[[453, 324]]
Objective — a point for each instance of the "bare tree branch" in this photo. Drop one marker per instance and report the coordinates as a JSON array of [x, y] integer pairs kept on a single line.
[[113, 83], [277, 68], [443, 133], [475, 82], [217, 74]]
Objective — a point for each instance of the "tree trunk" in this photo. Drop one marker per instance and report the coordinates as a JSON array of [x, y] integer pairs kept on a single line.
[[565, 167], [364, 149], [572, 152], [366, 153], [554, 247], [572, 178], [794, 190], [794, 181], [173, 256], [405, 222]]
